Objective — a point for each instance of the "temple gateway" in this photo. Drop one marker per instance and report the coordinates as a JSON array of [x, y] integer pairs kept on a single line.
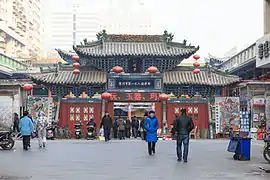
[[133, 70]]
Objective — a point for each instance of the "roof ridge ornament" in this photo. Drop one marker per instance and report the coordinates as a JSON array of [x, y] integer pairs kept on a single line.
[[168, 37], [102, 36]]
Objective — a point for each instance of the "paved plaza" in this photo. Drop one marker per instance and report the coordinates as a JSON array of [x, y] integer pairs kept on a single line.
[[128, 159]]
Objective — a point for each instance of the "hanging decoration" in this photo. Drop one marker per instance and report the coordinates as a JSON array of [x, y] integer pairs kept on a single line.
[[106, 96], [152, 69], [83, 95], [76, 71], [117, 69], [196, 64], [28, 87], [76, 58], [196, 57], [196, 71], [265, 77], [70, 95], [163, 97], [76, 64]]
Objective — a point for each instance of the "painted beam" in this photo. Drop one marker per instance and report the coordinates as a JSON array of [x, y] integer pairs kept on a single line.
[[11, 63]]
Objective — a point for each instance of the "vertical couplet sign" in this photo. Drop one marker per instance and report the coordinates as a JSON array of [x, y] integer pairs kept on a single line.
[[135, 96]]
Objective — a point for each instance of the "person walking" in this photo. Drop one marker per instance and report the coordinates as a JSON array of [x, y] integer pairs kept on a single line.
[[42, 124], [115, 129], [151, 126], [183, 125], [135, 127], [16, 123], [121, 128], [26, 128], [106, 123], [128, 127], [143, 130]]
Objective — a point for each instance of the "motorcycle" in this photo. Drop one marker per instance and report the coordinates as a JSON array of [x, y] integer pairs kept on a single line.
[[78, 131], [266, 149], [6, 140], [90, 134]]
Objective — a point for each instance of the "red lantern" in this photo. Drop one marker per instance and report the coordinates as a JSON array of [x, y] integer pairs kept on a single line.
[[106, 95], [76, 65], [76, 71], [261, 77], [196, 57], [76, 58], [163, 97], [117, 69], [28, 87], [196, 64], [196, 71], [152, 69]]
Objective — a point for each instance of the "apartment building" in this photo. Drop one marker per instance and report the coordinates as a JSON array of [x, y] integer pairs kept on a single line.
[[21, 29]]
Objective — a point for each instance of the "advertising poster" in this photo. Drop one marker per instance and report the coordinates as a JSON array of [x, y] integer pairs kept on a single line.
[[228, 113], [37, 104], [6, 111]]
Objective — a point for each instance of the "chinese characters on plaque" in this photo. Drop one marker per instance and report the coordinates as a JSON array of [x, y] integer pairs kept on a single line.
[[135, 96], [263, 50], [141, 84]]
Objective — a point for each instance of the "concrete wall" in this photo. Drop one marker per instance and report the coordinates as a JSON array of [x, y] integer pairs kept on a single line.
[[266, 16]]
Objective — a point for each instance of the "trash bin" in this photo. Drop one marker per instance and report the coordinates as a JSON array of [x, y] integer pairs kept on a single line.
[[241, 147]]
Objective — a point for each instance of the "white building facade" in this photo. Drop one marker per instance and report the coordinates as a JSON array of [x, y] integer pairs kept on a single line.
[[21, 28], [70, 24]]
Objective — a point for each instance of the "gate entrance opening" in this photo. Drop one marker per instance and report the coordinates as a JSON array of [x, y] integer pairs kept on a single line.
[[127, 110]]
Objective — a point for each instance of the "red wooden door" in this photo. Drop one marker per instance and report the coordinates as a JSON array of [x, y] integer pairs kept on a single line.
[[198, 113]]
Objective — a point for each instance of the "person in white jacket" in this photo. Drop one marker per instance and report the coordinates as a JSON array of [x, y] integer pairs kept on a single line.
[[42, 123]]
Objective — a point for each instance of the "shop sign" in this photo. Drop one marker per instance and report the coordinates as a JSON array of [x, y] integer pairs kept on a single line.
[[263, 51], [258, 102], [123, 82], [135, 83], [135, 96]]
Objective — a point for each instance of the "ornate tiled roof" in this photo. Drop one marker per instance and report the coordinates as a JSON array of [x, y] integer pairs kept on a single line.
[[135, 45], [186, 77], [177, 77], [67, 77]]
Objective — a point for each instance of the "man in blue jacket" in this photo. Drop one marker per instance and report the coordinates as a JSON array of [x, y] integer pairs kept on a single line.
[[26, 128]]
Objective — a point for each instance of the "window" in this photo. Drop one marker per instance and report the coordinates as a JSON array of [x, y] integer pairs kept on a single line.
[[74, 26], [74, 35]]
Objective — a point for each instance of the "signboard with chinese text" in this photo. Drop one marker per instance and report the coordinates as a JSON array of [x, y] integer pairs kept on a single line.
[[137, 83], [263, 52], [134, 82], [258, 101], [135, 96]]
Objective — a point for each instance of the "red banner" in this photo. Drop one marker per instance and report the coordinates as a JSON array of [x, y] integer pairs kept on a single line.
[[135, 96]]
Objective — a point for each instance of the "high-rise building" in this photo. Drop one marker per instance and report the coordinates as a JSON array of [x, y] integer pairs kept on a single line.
[[128, 17], [266, 16], [70, 24], [21, 28]]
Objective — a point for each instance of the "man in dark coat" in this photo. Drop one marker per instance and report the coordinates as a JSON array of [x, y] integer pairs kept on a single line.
[[106, 123], [183, 125], [143, 130], [128, 127], [16, 123], [135, 126]]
